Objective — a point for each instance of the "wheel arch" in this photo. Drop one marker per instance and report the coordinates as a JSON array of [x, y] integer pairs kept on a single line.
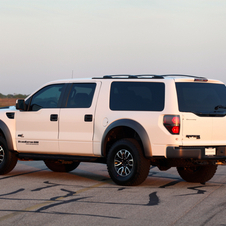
[[125, 128], [5, 133]]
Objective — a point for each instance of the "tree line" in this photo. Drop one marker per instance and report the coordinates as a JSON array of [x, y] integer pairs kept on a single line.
[[18, 96]]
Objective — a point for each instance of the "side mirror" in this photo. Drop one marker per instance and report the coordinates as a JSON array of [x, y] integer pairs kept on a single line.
[[20, 105]]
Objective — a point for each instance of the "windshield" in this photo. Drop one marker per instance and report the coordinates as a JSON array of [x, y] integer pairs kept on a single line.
[[201, 97]]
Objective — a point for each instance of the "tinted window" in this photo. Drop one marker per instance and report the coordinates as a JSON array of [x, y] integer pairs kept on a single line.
[[48, 97], [137, 96], [81, 95], [200, 97]]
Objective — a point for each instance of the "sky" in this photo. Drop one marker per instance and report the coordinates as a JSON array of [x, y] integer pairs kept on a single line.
[[45, 40]]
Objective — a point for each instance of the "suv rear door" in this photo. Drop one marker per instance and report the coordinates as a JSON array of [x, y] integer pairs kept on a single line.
[[76, 124], [219, 133], [203, 120], [196, 130]]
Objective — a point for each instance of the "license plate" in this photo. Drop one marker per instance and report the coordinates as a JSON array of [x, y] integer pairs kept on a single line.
[[210, 151]]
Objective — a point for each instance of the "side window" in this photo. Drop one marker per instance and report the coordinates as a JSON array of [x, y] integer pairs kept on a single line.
[[47, 97], [137, 96], [81, 95]]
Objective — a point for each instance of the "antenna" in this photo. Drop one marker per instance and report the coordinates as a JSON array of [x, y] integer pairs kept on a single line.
[[72, 75]]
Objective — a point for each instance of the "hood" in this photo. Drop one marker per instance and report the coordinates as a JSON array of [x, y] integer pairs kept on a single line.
[[11, 108]]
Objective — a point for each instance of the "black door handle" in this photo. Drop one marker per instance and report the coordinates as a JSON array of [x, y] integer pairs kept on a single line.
[[53, 118], [88, 118]]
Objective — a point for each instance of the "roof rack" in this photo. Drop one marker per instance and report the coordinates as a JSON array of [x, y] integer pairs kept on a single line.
[[149, 76], [134, 76], [180, 75], [119, 76]]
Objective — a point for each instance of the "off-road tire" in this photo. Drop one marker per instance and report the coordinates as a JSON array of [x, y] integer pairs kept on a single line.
[[8, 159], [126, 163], [197, 174], [57, 166]]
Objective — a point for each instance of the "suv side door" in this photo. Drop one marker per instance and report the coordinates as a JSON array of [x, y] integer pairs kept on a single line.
[[37, 127], [76, 125]]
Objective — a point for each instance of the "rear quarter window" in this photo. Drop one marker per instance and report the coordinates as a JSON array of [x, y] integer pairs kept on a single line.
[[137, 96]]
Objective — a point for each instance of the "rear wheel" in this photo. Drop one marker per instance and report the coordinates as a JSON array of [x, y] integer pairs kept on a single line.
[[197, 174], [61, 166], [8, 159], [126, 163]]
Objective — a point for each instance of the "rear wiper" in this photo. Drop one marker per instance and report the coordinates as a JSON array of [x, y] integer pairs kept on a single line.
[[220, 106]]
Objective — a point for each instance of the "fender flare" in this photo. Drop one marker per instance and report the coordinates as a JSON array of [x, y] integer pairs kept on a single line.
[[7, 134], [133, 125]]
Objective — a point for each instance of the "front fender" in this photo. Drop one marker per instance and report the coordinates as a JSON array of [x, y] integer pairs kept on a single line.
[[4, 128]]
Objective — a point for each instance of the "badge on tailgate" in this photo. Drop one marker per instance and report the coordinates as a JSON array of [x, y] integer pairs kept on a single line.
[[193, 136]]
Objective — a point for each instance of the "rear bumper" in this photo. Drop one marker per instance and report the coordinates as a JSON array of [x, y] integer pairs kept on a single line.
[[195, 153]]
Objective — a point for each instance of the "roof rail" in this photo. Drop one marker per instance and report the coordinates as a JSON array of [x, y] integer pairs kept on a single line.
[[134, 76], [119, 76], [180, 75], [149, 76]]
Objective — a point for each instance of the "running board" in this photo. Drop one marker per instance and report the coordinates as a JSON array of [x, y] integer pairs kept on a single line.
[[31, 156]]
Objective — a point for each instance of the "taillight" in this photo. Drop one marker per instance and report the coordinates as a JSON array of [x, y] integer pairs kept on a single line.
[[172, 123]]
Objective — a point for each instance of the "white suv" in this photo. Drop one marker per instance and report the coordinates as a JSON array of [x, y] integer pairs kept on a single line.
[[128, 122]]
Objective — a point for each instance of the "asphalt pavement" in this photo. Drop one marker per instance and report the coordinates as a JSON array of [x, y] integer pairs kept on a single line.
[[33, 195]]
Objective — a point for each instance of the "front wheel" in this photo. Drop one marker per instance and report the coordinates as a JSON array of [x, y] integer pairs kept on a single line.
[[59, 166], [8, 159], [126, 163], [197, 174]]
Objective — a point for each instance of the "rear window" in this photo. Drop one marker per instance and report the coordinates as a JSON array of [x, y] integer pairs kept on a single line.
[[201, 97], [137, 96]]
